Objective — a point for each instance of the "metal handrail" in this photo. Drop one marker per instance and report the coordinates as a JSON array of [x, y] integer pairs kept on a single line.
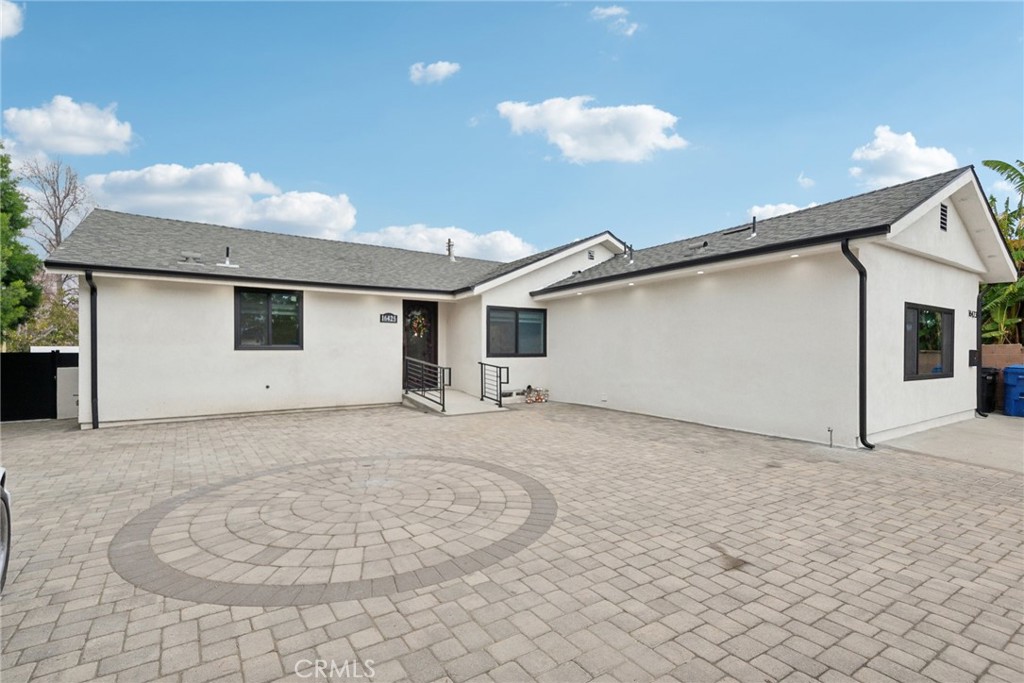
[[492, 379], [427, 380]]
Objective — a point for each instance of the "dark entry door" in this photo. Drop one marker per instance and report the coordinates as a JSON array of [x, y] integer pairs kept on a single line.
[[419, 333]]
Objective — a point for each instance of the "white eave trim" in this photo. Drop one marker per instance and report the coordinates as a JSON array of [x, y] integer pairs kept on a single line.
[[700, 270], [231, 282], [574, 248], [987, 239]]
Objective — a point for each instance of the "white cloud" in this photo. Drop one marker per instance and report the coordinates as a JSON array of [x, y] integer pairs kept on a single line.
[[893, 158], [432, 73], [584, 134], [804, 181], [615, 19], [499, 245], [225, 194], [65, 126], [222, 193], [766, 211], [11, 19], [1004, 187]]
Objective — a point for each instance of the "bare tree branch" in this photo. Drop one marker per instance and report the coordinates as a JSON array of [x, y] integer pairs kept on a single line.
[[57, 200]]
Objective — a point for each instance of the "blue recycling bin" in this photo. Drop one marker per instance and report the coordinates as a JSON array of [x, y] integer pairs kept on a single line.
[[1013, 390]]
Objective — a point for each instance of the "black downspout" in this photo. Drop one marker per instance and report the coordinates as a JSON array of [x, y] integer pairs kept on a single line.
[[93, 358], [863, 344], [980, 374]]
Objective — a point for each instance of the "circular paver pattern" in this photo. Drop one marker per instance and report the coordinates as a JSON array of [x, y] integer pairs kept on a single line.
[[332, 530]]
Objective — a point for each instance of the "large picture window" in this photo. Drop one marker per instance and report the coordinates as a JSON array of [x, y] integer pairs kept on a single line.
[[516, 331], [927, 342], [268, 319]]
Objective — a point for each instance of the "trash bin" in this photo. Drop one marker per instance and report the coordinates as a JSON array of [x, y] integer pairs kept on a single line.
[[989, 380], [1013, 390]]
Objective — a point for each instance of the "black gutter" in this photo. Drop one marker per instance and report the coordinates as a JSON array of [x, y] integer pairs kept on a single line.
[[233, 277], [862, 389], [718, 258], [94, 395], [980, 386]]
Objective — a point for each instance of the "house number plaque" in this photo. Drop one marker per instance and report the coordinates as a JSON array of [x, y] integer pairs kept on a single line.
[[389, 317]]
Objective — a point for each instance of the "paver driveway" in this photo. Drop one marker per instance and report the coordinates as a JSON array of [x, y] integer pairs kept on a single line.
[[550, 542]]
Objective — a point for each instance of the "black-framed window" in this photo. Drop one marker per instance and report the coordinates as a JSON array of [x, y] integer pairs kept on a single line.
[[927, 342], [267, 319], [517, 331]]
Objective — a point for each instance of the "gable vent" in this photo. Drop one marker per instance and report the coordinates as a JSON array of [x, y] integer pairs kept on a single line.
[[943, 216]]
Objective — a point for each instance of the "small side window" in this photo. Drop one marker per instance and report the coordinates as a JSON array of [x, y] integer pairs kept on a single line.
[[927, 342], [268, 319]]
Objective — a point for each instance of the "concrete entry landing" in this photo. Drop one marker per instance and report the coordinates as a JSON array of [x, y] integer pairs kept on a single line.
[[995, 441], [456, 403]]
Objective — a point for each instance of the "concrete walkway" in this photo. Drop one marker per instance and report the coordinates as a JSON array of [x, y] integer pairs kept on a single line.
[[546, 542], [456, 403], [994, 441]]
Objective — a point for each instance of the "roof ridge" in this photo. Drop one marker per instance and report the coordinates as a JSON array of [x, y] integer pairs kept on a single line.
[[289, 235]]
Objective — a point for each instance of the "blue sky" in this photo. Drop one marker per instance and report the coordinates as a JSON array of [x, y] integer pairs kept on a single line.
[[310, 117]]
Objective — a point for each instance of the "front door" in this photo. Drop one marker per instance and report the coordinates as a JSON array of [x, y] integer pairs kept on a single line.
[[419, 336]]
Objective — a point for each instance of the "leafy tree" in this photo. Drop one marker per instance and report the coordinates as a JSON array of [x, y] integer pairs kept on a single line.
[[1003, 307], [55, 323], [20, 294]]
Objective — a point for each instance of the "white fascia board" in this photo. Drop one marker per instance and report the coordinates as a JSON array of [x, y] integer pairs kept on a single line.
[[1000, 264], [575, 248], [980, 272], [229, 282], [701, 270]]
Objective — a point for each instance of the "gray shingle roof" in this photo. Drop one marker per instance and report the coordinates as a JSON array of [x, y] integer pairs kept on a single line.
[[110, 240], [876, 210]]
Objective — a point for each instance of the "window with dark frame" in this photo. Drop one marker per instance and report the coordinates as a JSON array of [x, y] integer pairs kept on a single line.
[[518, 332], [267, 319], [927, 342]]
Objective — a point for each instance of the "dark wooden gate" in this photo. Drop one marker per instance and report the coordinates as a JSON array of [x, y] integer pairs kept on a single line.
[[28, 390]]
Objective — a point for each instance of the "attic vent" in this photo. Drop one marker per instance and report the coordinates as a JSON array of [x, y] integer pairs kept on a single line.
[[943, 216], [590, 254], [191, 257]]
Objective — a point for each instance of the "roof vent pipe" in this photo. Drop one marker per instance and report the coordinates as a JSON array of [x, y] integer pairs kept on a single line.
[[631, 253], [227, 259], [451, 250], [753, 228]]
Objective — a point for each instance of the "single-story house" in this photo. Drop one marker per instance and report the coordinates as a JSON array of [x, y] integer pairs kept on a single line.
[[849, 322]]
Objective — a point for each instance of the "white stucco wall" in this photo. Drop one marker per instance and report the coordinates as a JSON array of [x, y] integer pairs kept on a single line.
[[898, 407], [166, 349], [516, 294], [769, 348], [463, 350]]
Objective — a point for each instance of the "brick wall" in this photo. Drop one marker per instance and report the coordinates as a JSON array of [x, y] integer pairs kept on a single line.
[[1000, 356]]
